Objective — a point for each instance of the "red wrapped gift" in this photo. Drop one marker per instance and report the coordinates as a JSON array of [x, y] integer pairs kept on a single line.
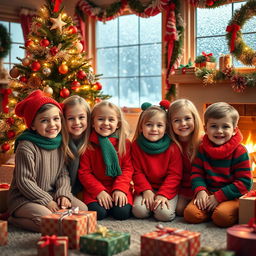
[[72, 223], [170, 242], [4, 189], [247, 207], [52, 246], [242, 240], [3, 232]]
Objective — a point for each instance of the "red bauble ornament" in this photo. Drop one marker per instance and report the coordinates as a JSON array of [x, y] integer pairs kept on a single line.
[[63, 69], [54, 50], [64, 93], [75, 84], [11, 134], [72, 29], [209, 2], [29, 43], [23, 79], [5, 147], [6, 109], [81, 75], [35, 66], [44, 42], [10, 121], [99, 85]]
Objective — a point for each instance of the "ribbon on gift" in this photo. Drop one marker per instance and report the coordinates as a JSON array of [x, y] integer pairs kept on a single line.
[[57, 4], [5, 92], [207, 56], [234, 28], [50, 241], [5, 185]]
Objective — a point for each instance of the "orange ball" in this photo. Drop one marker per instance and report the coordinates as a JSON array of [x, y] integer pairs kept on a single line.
[[63, 69]]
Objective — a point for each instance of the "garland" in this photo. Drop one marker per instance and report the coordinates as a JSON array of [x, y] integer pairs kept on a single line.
[[5, 41], [208, 3], [238, 47]]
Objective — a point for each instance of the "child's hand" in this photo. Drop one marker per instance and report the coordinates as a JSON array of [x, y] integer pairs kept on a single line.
[[161, 200], [212, 203], [105, 200], [119, 198], [52, 206], [201, 200], [148, 197], [63, 202]]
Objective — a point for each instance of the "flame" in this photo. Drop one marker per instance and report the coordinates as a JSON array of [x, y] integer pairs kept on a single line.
[[251, 148]]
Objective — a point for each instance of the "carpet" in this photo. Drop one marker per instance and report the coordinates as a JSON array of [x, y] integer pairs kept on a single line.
[[23, 243]]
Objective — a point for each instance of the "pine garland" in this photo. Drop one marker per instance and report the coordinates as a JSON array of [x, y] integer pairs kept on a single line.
[[5, 41]]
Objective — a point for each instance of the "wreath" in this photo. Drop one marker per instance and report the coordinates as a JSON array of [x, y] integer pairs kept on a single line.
[[5, 41], [239, 49]]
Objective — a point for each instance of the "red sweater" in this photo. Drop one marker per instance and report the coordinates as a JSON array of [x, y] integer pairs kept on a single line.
[[92, 172], [161, 172]]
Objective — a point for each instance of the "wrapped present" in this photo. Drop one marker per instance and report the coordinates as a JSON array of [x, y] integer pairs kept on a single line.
[[104, 242], [247, 207], [205, 61], [254, 184], [52, 246], [4, 189], [242, 240], [170, 242], [3, 232], [72, 223], [206, 64]]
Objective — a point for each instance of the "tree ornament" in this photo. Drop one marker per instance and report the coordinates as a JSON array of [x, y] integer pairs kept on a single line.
[[26, 62], [72, 29], [99, 85], [34, 82], [35, 66], [79, 47], [75, 85], [23, 79], [29, 43], [210, 2], [10, 121], [48, 90], [97, 100], [46, 71], [5, 147], [81, 74], [54, 50], [87, 87], [11, 134], [45, 42], [14, 72], [64, 93], [63, 69], [57, 23]]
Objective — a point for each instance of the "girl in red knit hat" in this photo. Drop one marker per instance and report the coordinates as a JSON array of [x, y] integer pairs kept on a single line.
[[40, 183], [157, 166], [105, 167]]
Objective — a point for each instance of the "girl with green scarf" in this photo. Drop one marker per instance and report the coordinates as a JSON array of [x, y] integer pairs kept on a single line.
[[157, 166]]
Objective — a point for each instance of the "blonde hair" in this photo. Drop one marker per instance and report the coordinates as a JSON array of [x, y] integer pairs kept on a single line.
[[197, 133], [71, 102], [219, 110], [123, 130], [145, 116]]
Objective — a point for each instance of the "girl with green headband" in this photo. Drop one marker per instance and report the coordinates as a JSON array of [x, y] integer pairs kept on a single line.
[[105, 168], [157, 166]]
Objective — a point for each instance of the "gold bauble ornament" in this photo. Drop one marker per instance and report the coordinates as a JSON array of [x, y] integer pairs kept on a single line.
[[26, 62], [87, 87], [63, 69], [48, 90], [14, 72]]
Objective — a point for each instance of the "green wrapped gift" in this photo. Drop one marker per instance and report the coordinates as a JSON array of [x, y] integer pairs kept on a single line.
[[105, 243]]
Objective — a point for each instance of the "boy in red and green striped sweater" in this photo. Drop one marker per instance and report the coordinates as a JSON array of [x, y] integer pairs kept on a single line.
[[221, 171]]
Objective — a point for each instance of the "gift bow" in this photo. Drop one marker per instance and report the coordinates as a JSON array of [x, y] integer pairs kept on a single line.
[[207, 56], [233, 29], [185, 66], [168, 231], [103, 231], [251, 193], [51, 241], [5, 185]]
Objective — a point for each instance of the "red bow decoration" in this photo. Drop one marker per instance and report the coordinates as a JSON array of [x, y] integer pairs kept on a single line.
[[51, 241], [56, 5], [207, 56], [5, 185], [251, 193], [233, 28], [6, 92]]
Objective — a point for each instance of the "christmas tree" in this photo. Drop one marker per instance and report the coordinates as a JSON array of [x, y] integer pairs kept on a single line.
[[55, 63]]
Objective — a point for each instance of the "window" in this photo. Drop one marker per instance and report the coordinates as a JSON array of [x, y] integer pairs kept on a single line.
[[129, 57], [17, 40], [211, 30]]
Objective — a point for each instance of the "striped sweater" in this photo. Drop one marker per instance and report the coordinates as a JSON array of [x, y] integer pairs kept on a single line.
[[223, 170]]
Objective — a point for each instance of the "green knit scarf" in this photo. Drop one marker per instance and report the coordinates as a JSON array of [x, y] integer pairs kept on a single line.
[[40, 141], [154, 147], [109, 156]]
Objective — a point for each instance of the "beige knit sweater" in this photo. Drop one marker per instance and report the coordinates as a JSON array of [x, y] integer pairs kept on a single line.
[[38, 177]]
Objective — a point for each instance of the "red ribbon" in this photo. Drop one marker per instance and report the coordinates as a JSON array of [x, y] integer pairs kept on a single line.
[[233, 28], [251, 193], [50, 241], [207, 56], [56, 5], [5, 185], [6, 92]]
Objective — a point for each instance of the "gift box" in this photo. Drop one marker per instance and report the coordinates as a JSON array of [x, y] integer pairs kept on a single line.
[[242, 240], [72, 223], [206, 64], [247, 207], [3, 232], [52, 246], [170, 242], [254, 184], [4, 189], [105, 243]]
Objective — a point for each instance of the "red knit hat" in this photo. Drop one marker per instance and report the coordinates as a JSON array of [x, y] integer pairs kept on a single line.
[[28, 107]]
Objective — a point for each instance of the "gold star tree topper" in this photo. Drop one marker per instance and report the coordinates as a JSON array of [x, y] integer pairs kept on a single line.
[[57, 23]]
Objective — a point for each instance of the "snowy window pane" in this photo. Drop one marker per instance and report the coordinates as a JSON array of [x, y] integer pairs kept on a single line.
[[129, 92], [16, 51], [129, 61], [128, 30], [16, 33], [110, 87]]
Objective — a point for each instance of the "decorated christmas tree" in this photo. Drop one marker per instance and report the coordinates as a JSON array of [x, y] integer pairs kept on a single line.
[[55, 63]]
